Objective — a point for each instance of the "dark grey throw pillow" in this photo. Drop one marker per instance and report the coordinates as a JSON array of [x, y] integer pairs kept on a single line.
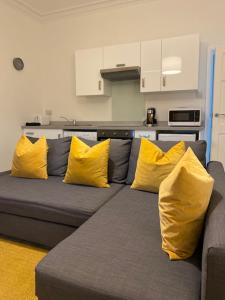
[[58, 152], [118, 159], [199, 148]]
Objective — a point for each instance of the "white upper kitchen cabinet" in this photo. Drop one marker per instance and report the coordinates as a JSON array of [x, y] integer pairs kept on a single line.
[[151, 62], [88, 63], [180, 63], [125, 55]]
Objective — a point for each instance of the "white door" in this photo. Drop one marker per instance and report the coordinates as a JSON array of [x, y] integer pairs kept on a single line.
[[180, 63], [218, 132], [88, 63], [125, 55], [151, 57]]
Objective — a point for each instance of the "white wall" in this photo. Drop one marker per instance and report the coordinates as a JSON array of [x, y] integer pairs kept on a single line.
[[48, 81], [19, 91], [151, 20]]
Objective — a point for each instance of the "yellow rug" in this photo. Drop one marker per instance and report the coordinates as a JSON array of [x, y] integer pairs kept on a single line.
[[17, 270]]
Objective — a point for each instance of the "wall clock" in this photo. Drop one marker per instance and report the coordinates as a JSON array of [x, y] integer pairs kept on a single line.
[[18, 63]]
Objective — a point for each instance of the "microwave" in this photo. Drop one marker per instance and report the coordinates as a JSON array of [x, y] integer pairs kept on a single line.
[[184, 117]]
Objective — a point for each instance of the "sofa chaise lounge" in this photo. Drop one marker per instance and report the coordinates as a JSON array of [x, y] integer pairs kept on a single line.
[[106, 243]]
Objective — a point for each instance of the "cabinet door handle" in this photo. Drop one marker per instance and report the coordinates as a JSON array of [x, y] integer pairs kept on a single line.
[[143, 82], [100, 85], [29, 133], [120, 65], [164, 81]]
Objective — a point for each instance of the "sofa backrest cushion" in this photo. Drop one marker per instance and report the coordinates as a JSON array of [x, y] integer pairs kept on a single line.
[[199, 148], [118, 159], [58, 152], [119, 154]]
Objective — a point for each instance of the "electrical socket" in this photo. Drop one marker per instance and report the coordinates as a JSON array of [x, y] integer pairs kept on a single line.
[[48, 112]]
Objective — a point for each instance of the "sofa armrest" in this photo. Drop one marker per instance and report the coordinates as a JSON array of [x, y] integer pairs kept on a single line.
[[215, 284], [213, 255], [216, 170]]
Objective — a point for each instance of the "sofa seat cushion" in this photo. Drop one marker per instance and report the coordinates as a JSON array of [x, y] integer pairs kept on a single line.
[[117, 255], [52, 200]]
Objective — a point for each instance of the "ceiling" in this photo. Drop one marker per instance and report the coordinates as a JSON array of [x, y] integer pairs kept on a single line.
[[45, 8]]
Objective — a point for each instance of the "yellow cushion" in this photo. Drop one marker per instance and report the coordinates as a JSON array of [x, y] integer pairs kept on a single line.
[[154, 165], [30, 160], [183, 200], [88, 165]]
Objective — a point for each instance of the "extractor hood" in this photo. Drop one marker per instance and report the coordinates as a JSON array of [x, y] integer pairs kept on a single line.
[[121, 73]]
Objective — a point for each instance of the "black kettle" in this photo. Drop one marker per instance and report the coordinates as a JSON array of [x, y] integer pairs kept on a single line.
[[151, 116]]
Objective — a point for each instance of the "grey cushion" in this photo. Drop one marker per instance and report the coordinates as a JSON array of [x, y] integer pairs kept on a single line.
[[52, 200], [118, 159], [199, 148], [213, 257], [58, 152], [117, 255]]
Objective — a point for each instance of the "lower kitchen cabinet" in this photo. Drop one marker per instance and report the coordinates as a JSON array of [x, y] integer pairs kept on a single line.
[[59, 133], [88, 135], [48, 133], [151, 135], [176, 137]]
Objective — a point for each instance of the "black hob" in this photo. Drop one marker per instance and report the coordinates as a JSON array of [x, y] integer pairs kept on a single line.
[[103, 134]]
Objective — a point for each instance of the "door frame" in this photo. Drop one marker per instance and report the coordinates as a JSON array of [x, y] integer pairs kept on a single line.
[[219, 51]]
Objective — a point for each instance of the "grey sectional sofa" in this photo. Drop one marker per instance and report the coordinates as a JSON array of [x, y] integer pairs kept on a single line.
[[105, 243]]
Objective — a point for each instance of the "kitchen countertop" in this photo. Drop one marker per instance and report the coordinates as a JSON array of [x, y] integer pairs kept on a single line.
[[93, 126]]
